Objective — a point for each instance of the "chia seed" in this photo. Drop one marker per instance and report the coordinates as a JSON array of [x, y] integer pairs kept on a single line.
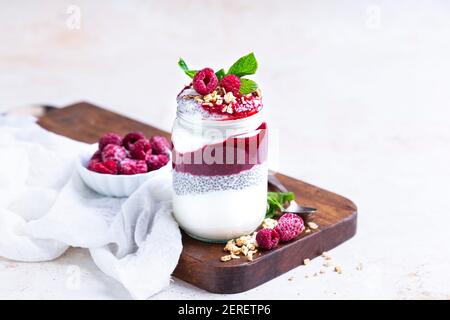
[[186, 183]]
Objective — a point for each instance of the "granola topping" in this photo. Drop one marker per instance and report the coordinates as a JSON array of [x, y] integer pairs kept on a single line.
[[219, 104]]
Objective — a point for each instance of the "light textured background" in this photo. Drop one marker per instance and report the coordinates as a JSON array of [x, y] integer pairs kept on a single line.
[[358, 92]]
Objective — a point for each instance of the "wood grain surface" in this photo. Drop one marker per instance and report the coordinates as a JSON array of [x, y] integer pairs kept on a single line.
[[200, 263]]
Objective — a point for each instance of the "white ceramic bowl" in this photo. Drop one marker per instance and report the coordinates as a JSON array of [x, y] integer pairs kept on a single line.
[[112, 185]]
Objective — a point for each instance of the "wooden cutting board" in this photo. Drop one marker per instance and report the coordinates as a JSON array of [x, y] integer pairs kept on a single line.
[[200, 263]]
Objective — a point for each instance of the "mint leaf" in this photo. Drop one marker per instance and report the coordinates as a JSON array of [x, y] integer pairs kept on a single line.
[[184, 67], [287, 197], [247, 86], [276, 202], [191, 73], [220, 74], [246, 65], [183, 64]]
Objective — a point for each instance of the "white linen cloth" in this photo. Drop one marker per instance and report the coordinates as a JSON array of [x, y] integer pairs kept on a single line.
[[45, 208]]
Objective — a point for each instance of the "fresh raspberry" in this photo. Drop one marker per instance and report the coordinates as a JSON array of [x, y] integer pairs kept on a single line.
[[289, 226], [131, 166], [267, 238], [93, 162], [131, 138], [231, 83], [205, 81], [140, 149], [113, 152], [97, 155], [159, 145], [288, 216], [109, 138], [108, 167], [156, 161]]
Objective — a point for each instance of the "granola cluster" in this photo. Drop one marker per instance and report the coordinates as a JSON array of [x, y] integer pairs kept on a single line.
[[245, 245], [269, 223]]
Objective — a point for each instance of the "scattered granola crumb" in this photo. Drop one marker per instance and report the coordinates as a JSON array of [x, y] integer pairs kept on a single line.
[[322, 271], [306, 276], [269, 223], [250, 255], [326, 255], [338, 269], [229, 245], [290, 278], [306, 262], [225, 258], [312, 225], [328, 264], [236, 250], [315, 274], [359, 267]]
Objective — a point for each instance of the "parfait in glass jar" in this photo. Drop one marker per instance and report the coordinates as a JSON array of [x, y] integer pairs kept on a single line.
[[220, 154]]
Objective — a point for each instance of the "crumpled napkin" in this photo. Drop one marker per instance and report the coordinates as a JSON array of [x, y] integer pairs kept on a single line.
[[45, 207]]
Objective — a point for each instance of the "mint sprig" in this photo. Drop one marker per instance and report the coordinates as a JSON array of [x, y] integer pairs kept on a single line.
[[184, 67], [276, 202]]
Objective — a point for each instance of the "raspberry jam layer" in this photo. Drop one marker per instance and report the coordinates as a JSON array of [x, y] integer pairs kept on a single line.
[[229, 157]]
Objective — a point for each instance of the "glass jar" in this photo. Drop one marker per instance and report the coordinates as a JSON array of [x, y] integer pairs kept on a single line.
[[219, 176]]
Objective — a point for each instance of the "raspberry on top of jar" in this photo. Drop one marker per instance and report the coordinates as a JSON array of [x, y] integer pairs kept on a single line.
[[220, 95]]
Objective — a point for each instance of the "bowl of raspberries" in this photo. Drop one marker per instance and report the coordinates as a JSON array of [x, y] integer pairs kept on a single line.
[[119, 165]]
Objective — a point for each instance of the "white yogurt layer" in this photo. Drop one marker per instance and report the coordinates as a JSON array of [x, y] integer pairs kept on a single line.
[[222, 215]]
